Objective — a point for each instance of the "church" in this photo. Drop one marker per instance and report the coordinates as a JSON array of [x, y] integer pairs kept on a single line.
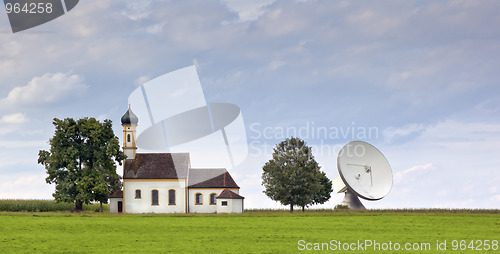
[[166, 183]]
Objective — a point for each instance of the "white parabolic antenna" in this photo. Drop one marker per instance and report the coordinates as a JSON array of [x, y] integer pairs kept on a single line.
[[364, 171]]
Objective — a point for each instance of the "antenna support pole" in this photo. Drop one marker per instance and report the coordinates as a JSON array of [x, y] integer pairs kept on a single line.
[[352, 201]]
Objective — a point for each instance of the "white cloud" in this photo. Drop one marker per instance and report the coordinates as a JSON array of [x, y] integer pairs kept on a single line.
[[16, 118], [248, 10], [11, 123], [102, 117], [452, 165], [466, 138], [137, 10], [47, 89], [10, 49], [25, 186], [155, 28], [401, 177], [275, 64], [7, 129], [23, 143], [280, 22], [447, 133], [392, 133]]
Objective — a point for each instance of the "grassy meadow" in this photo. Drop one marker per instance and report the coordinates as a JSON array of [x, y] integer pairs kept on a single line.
[[252, 232]]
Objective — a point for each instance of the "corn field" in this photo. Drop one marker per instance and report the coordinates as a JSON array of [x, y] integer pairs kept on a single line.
[[18, 205]]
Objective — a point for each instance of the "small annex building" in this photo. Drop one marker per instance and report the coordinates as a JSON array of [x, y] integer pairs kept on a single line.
[[166, 183]]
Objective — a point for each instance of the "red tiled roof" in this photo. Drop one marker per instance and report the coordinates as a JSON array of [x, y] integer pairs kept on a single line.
[[226, 193], [117, 194], [157, 166], [210, 178]]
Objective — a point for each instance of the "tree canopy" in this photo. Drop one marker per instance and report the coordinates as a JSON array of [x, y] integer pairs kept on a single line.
[[81, 161], [293, 176]]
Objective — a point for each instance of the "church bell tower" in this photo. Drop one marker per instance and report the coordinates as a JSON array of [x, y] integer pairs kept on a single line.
[[129, 123]]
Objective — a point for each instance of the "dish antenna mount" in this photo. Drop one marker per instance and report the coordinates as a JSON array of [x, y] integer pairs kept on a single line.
[[364, 172]]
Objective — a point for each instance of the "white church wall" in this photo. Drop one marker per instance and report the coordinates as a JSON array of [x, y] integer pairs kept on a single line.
[[233, 205], [206, 207], [113, 204], [143, 205], [224, 209], [237, 206]]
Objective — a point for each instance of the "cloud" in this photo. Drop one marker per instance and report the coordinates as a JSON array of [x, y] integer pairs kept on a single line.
[[450, 164], [7, 129], [392, 134], [23, 143], [156, 28], [16, 118], [446, 133], [467, 138], [47, 89], [11, 123], [248, 10], [25, 186], [137, 10], [401, 176], [102, 117], [275, 64]]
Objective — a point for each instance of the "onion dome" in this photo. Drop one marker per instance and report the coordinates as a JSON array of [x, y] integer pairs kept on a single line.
[[129, 117]]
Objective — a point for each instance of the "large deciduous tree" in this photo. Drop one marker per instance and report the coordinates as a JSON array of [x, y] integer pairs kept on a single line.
[[81, 161], [293, 177]]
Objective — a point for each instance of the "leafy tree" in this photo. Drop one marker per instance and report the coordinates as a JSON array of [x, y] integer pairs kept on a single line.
[[81, 161], [324, 192], [293, 177]]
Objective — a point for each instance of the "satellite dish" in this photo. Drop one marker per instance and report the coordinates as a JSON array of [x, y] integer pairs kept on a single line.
[[364, 172]]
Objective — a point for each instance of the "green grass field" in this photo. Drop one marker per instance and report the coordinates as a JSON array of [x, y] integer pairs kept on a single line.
[[251, 232]]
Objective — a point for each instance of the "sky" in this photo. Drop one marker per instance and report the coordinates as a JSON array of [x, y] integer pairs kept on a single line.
[[417, 79]]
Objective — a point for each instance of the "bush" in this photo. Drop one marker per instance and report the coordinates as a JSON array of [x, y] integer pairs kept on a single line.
[[341, 207]]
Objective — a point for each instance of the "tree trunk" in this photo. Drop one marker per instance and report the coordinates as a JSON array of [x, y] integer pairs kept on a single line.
[[303, 208], [100, 210], [291, 208], [78, 206]]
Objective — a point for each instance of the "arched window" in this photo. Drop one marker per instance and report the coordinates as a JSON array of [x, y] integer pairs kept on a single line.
[[137, 194], [128, 137], [171, 197], [154, 197], [212, 198], [198, 199]]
